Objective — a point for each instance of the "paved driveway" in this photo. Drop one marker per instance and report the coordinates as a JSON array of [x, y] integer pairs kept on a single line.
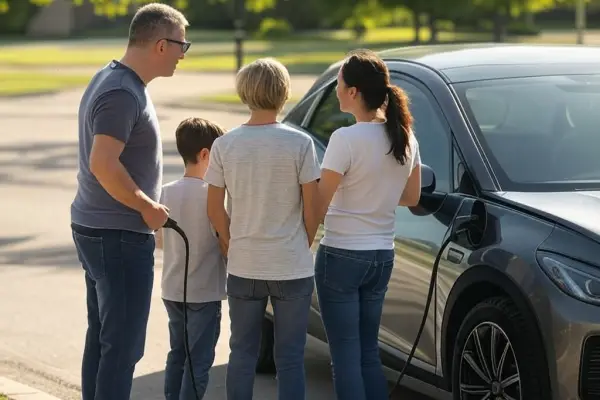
[[42, 314]]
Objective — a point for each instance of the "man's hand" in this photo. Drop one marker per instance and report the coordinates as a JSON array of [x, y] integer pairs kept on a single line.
[[155, 215]]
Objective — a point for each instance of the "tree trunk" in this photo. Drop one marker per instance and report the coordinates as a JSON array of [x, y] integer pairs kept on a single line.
[[432, 22], [499, 27], [417, 24]]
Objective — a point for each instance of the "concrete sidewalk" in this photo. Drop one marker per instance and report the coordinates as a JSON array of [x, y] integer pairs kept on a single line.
[[18, 391]]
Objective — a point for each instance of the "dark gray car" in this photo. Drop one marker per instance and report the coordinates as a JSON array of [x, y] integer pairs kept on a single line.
[[510, 139]]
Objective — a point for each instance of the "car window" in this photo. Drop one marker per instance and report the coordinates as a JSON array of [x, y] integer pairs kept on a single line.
[[296, 115], [431, 130], [539, 133], [328, 117]]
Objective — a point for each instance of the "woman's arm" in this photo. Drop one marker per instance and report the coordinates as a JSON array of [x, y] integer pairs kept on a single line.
[[336, 163], [330, 180], [412, 191]]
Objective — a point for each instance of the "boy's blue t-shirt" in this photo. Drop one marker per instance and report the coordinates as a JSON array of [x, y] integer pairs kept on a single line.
[[186, 200]]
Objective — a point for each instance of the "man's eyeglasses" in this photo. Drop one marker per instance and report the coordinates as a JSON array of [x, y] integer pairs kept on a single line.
[[185, 46]]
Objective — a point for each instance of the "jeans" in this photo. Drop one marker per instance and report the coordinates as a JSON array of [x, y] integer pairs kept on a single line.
[[351, 287], [119, 274], [204, 328], [247, 303]]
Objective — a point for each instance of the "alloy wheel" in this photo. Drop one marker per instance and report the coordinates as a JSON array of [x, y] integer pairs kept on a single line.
[[488, 366]]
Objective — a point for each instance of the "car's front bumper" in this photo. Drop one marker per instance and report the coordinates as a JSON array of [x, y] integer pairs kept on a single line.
[[571, 329]]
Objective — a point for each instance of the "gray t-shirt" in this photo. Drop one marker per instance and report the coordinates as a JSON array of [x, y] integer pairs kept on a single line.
[[262, 168], [186, 200], [117, 103]]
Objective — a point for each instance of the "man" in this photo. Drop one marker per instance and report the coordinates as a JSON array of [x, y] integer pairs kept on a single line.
[[116, 211]]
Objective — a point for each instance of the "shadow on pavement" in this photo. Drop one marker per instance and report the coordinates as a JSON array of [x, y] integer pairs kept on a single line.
[[318, 384], [64, 256]]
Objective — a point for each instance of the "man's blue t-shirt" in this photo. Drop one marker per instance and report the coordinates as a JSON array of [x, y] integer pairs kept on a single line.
[[117, 103]]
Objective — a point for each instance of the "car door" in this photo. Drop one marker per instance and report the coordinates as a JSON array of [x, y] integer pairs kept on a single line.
[[418, 238]]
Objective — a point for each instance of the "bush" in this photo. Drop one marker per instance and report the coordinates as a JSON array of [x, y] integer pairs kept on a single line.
[[271, 28], [522, 29]]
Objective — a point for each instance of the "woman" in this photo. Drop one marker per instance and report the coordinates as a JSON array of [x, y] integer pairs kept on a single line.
[[368, 170]]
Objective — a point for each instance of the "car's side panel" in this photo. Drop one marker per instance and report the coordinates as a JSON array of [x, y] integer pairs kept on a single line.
[[488, 269]]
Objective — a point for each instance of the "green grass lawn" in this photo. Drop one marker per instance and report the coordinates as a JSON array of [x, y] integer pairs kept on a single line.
[[14, 83], [3, 397], [231, 98], [306, 53]]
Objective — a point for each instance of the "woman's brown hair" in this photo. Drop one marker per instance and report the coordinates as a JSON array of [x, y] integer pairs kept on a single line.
[[365, 71]]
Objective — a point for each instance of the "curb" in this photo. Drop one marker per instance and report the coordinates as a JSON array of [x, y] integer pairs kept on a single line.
[[18, 391]]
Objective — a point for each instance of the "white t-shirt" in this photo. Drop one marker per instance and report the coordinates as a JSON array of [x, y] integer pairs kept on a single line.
[[186, 200], [262, 168], [361, 215]]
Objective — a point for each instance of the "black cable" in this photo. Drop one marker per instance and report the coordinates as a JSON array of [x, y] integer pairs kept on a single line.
[[171, 224], [424, 320], [453, 231]]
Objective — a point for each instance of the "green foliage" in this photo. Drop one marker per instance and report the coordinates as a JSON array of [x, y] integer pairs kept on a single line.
[[272, 28], [15, 15], [109, 8]]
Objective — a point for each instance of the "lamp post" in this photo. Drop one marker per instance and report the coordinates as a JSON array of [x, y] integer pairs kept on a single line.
[[580, 19], [239, 6]]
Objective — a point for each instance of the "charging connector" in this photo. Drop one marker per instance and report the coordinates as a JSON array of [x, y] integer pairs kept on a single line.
[[172, 224]]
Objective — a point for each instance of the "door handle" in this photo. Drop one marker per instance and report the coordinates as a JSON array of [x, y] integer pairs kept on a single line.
[[455, 256]]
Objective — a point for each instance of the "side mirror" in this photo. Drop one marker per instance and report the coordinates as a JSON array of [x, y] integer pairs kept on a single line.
[[430, 201], [427, 179]]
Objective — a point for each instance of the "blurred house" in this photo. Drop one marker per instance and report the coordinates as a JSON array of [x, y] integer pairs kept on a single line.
[[62, 18]]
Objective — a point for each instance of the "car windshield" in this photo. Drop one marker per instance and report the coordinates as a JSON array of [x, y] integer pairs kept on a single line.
[[539, 133]]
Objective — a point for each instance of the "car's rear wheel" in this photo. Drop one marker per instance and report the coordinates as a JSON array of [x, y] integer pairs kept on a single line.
[[498, 355], [266, 360]]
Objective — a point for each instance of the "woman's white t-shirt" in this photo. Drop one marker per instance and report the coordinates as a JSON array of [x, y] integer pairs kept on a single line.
[[361, 215]]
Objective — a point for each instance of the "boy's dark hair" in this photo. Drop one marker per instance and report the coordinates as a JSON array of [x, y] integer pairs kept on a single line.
[[193, 135]]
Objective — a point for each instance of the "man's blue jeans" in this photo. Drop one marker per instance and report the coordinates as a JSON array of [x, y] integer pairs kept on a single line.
[[247, 303], [119, 274], [204, 328], [351, 287]]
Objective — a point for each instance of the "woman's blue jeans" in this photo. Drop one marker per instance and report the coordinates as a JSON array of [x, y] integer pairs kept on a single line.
[[351, 287]]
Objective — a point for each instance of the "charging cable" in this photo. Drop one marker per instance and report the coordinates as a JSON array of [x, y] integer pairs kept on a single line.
[[458, 226], [171, 224]]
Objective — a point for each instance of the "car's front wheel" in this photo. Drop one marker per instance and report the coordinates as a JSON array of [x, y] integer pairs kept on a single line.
[[266, 361], [498, 355]]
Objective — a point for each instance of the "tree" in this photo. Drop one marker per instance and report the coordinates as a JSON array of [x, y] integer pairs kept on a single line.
[[502, 11], [115, 8]]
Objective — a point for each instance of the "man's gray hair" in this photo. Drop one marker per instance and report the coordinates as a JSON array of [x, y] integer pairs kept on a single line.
[[153, 21]]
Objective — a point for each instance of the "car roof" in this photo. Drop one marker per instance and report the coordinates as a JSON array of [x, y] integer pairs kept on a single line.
[[447, 56], [482, 61], [478, 61]]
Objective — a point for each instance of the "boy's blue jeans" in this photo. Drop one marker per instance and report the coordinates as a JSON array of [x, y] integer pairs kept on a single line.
[[204, 328], [247, 304], [351, 287], [119, 274]]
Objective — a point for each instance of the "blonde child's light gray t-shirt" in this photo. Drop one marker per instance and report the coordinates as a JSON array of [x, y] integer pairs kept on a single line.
[[186, 200], [262, 168]]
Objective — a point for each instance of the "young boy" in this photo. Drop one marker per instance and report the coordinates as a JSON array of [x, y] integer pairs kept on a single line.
[[186, 200], [270, 171]]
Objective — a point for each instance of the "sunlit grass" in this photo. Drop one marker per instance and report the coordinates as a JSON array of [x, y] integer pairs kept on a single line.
[[309, 52], [21, 83]]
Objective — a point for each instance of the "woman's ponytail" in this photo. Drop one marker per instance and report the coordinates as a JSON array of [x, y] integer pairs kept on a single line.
[[399, 123]]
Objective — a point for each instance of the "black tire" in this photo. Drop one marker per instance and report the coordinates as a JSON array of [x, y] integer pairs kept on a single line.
[[266, 360], [498, 319]]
